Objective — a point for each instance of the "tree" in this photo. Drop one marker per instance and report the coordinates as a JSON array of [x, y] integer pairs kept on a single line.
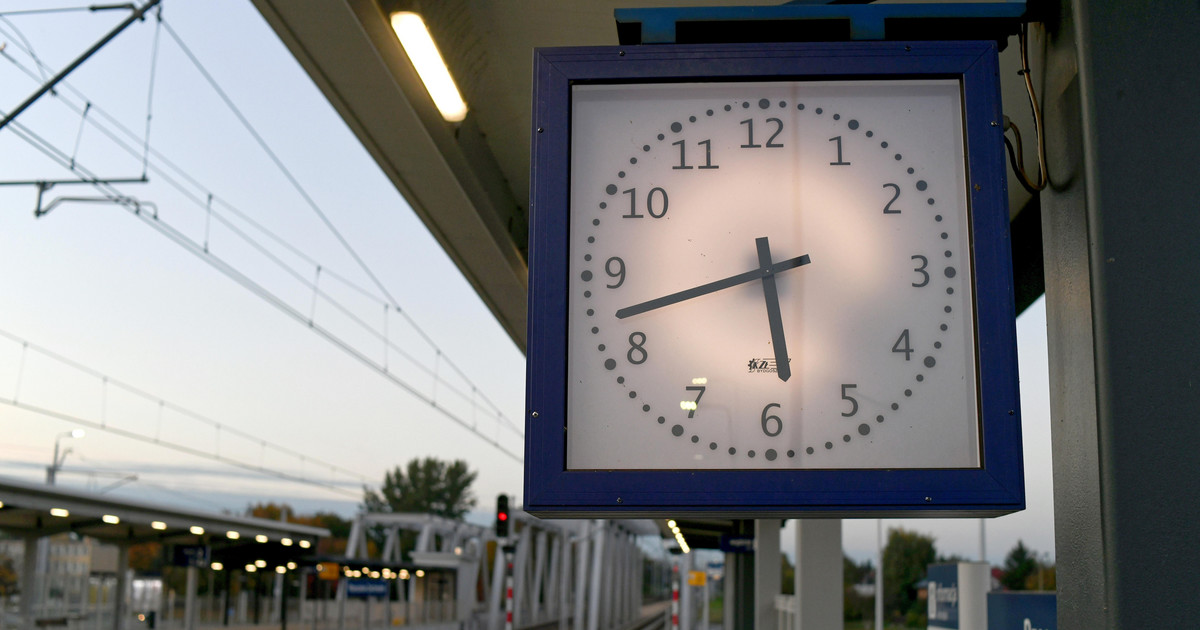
[[8, 577], [1019, 565], [428, 485], [339, 531], [905, 559], [271, 511], [856, 606]]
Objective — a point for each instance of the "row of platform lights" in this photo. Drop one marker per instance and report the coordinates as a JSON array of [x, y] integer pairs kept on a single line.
[[683, 546], [385, 573], [196, 530]]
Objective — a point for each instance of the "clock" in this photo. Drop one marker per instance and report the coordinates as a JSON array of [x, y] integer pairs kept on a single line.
[[766, 275], [774, 265]]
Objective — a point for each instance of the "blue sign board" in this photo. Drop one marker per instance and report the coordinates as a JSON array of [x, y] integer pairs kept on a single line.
[[943, 596], [191, 555], [364, 588], [737, 544], [1022, 611]]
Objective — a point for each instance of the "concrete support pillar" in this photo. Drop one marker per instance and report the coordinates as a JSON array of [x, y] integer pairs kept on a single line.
[[341, 603], [818, 574], [189, 599], [685, 592], [564, 579], [728, 596], [122, 588], [597, 570], [29, 582], [496, 597], [768, 573], [582, 547]]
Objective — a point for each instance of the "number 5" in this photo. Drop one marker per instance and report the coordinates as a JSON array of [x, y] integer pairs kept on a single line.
[[853, 402]]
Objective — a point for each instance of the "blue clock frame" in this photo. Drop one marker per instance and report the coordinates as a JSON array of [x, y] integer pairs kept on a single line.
[[551, 490]]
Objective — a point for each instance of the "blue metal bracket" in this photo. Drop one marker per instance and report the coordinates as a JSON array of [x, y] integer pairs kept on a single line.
[[808, 21]]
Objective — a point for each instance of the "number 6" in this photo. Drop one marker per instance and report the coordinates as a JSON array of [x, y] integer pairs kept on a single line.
[[766, 419]]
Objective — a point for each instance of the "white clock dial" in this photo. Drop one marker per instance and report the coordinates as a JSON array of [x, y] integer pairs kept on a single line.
[[770, 275]]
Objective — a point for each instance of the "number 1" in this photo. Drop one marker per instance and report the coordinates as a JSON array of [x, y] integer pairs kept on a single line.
[[839, 162]]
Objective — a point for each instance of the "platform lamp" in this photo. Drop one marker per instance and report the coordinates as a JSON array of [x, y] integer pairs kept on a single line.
[[431, 67]]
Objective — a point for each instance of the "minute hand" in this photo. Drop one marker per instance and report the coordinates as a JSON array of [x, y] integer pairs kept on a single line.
[[711, 287]]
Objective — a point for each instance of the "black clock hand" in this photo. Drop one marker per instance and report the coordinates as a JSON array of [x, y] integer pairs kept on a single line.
[[711, 287], [774, 317]]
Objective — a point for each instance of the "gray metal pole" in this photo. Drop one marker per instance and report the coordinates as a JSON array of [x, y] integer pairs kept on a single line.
[[1120, 227]]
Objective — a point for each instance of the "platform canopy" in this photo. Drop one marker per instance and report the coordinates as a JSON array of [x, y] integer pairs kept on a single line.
[[35, 509], [469, 180]]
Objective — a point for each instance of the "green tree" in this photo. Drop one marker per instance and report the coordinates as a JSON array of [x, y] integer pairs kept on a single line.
[[1019, 565], [856, 607], [425, 485], [905, 559]]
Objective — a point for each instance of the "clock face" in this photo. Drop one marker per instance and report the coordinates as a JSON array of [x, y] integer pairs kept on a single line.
[[771, 275]]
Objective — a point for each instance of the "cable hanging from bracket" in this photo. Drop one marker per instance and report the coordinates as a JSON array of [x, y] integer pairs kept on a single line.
[[1016, 155]]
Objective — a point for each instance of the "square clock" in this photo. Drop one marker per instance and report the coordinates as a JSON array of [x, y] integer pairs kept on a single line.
[[771, 280]]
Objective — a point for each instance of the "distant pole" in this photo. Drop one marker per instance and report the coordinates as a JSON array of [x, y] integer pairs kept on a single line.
[[879, 574], [675, 597], [983, 540]]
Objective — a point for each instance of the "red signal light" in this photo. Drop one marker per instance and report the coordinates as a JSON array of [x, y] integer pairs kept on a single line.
[[502, 516]]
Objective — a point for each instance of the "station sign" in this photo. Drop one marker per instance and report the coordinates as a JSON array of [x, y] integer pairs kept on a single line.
[[363, 588], [191, 555], [1022, 611]]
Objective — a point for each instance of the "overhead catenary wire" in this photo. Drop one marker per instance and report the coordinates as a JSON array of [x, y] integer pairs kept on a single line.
[[207, 202], [207, 198], [152, 220], [182, 448], [303, 193], [104, 423]]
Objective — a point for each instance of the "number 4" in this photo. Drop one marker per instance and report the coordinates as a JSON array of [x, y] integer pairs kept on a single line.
[[903, 346]]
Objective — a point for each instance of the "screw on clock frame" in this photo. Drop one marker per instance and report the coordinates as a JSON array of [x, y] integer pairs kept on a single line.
[[928, 499], [533, 414]]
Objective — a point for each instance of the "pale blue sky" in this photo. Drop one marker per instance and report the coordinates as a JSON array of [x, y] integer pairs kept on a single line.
[[98, 286]]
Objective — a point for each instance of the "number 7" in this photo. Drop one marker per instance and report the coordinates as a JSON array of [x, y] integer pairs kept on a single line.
[[695, 403]]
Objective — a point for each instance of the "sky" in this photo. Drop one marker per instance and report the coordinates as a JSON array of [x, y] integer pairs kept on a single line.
[[108, 324]]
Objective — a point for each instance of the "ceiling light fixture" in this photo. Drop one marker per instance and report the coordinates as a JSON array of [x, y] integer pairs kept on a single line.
[[419, 46]]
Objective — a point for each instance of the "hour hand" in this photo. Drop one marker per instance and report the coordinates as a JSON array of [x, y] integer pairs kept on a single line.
[[774, 317]]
